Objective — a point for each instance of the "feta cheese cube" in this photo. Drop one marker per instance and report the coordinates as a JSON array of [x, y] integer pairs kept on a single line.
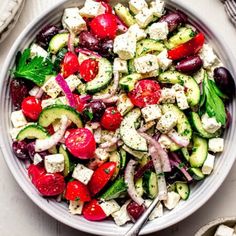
[[54, 163], [18, 119], [208, 164], [165, 141], [101, 154], [36, 50], [167, 95], [144, 17], [158, 31], [109, 207], [52, 101], [139, 33], [124, 104], [82, 173], [120, 66], [157, 211], [151, 112], [167, 122], [208, 56], [73, 21], [137, 5], [51, 87], [34, 91], [146, 63], [157, 7], [121, 217], [181, 99], [163, 60], [125, 46], [37, 159], [210, 124], [73, 82], [92, 9], [216, 144], [172, 201], [224, 230], [76, 207]]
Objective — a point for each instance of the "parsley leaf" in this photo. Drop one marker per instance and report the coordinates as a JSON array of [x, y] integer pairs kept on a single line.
[[34, 69]]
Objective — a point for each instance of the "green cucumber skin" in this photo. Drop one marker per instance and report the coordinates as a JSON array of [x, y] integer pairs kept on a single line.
[[196, 174], [182, 189], [150, 184], [67, 167]]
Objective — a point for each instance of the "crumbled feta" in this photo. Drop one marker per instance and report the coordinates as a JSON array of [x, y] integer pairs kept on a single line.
[[167, 95], [34, 91], [120, 66], [139, 33], [216, 144], [124, 104], [73, 82], [157, 7], [37, 159], [109, 207], [172, 201], [73, 21], [18, 119], [36, 50], [137, 5], [181, 99], [210, 124], [54, 163], [82, 173], [76, 207], [98, 135], [165, 141], [208, 164], [158, 31], [167, 122], [157, 211], [92, 9], [101, 154], [121, 217], [151, 112], [163, 60], [208, 56], [146, 63], [51, 87], [144, 17], [224, 230], [178, 88]]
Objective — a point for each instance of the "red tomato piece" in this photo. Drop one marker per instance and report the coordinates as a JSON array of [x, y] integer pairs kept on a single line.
[[187, 49], [146, 92], [88, 69], [50, 184], [92, 211], [101, 176], [80, 103], [81, 143], [70, 64], [31, 107], [111, 119], [104, 26], [76, 190], [35, 172]]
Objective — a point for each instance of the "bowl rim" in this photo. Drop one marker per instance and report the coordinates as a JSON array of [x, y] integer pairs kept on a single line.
[[218, 181]]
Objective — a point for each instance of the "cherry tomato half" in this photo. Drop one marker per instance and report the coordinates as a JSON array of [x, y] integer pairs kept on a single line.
[[146, 92], [31, 107], [111, 119], [80, 103], [101, 176], [70, 64], [104, 26], [75, 190], [88, 69], [35, 172], [81, 143]]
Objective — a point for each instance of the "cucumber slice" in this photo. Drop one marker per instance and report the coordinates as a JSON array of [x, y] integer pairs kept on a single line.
[[33, 131], [197, 126], [131, 67], [115, 191], [103, 78], [182, 189], [68, 166], [150, 184], [197, 173], [51, 113], [175, 77], [59, 58], [139, 187], [115, 157], [128, 82], [123, 158], [58, 42], [185, 153]]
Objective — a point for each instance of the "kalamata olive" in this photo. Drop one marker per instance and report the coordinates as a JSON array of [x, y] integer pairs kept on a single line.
[[44, 36], [31, 151], [89, 41], [134, 210], [106, 49], [20, 149], [94, 111], [174, 19], [224, 80], [190, 65]]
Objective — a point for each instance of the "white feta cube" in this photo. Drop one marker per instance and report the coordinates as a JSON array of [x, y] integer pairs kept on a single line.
[[54, 163], [157, 211], [18, 119], [167, 95], [109, 207], [208, 164], [163, 60], [146, 63], [36, 50], [172, 201], [73, 82], [216, 145], [52, 101], [178, 88], [51, 87], [124, 104], [92, 9], [144, 17], [157, 7], [73, 21], [82, 173], [167, 122], [101, 154], [139, 33], [122, 216], [120, 66], [181, 99], [34, 91], [165, 141], [76, 207], [158, 31], [137, 5], [125, 46], [210, 124], [208, 56], [37, 159], [151, 112], [224, 230]]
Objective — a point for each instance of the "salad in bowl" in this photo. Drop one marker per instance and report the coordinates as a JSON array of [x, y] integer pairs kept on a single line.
[[117, 105]]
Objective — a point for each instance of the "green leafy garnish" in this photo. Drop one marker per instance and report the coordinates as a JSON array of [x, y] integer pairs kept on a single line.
[[34, 69]]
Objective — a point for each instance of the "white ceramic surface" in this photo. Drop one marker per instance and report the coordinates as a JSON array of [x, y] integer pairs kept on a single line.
[[200, 193]]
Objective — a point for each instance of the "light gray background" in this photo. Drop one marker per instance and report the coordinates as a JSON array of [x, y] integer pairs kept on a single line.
[[20, 217]]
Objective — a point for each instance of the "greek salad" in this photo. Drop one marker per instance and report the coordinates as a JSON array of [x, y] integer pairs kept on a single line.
[[116, 105]]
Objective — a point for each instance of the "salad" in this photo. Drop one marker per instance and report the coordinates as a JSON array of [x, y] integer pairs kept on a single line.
[[118, 105]]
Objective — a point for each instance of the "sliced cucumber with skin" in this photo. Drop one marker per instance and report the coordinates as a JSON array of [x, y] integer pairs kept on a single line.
[[123, 157], [58, 42], [51, 113], [115, 157], [33, 131], [128, 82], [185, 153], [175, 77], [131, 67], [68, 166], [59, 58], [150, 184], [182, 189], [196, 173], [139, 187]]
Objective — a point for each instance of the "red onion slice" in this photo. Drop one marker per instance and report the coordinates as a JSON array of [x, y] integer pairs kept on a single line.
[[140, 172], [129, 180], [39, 93], [71, 41], [109, 143], [177, 138], [87, 52]]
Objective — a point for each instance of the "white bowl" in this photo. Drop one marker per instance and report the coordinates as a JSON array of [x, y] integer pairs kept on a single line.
[[200, 192]]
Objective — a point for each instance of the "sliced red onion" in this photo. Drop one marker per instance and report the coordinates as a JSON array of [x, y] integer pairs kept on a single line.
[[109, 143], [71, 41], [45, 144], [129, 180], [120, 143], [121, 25], [139, 173], [111, 100], [39, 93], [147, 126], [66, 90], [177, 138], [87, 52], [85, 97]]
